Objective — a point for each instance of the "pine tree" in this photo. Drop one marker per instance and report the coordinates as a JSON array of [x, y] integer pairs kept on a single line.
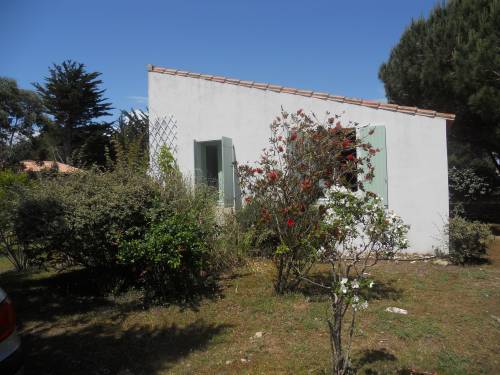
[[450, 62], [74, 98]]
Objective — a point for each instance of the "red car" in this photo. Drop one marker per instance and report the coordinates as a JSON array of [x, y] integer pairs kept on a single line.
[[11, 357]]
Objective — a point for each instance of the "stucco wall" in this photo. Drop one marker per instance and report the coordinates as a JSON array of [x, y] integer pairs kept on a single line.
[[416, 145]]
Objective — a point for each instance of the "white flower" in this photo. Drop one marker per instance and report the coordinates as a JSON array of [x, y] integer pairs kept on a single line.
[[355, 299], [343, 281], [355, 284], [343, 289], [371, 284]]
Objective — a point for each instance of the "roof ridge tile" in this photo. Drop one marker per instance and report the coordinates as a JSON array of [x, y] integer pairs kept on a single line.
[[306, 93]]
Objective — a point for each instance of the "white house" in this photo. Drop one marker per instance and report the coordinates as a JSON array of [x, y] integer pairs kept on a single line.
[[211, 121]]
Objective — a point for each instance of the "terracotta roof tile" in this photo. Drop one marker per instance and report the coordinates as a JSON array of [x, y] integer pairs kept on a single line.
[[262, 86], [306, 93], [38, 166], [320, 95]]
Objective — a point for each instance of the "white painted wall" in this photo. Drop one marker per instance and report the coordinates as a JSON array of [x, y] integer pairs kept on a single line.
[[417, 164]]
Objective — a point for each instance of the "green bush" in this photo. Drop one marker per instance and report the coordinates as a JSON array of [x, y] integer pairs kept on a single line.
[[468, 240], [82, 217], [171, 257], [124, 225], [12, 188]]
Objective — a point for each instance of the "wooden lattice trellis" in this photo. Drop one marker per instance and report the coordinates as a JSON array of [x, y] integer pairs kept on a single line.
[[162, 131]]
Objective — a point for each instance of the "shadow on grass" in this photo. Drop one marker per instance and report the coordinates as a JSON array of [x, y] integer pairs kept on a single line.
[[47, 296], [373, 357], [380, 290], [70, 326], [109, 349], [381, 362], [384, 290]]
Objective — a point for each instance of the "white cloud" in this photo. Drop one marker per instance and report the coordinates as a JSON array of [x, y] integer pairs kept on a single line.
[[138, 99]]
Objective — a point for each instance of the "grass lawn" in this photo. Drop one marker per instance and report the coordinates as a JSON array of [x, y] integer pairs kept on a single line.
[[453, 325]]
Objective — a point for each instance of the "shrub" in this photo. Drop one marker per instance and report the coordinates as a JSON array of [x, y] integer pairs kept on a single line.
[[82, 217], [465, 184], [12, 187], [305, 155], [468, 240], [358, 231], [170, 257]]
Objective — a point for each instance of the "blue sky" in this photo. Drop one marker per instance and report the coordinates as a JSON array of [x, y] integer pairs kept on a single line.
[[333, 46]]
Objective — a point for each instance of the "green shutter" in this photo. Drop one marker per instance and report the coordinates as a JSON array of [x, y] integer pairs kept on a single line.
[[379, 161], [227, 171], [237, 188], [198, 171]]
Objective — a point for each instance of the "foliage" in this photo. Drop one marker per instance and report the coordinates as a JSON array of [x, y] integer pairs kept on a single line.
[[468, 240], [166, 162], [304, 156], [451, 62], [21, 114], [358, 232], [171, 255], [465, 184], [74, 98], [81, 217], [130, 140], [12, 186]]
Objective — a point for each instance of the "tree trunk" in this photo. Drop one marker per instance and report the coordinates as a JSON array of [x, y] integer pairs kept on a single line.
[[339, 365]]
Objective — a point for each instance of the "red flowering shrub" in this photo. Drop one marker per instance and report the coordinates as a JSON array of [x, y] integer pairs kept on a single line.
[[305, 155]]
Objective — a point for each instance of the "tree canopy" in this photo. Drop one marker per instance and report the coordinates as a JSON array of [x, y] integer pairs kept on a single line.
[[75, 100], [21, 115], [450, 62]]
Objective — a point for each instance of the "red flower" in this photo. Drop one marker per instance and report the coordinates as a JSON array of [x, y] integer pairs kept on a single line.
[[293, 136], [331, 120], [272, 176], [248, 199], [280, 137], [290, 222], [372, 151], [258, 170], [346, 143], [350, 157], [299, 111], [280, 148], [338, 126], [306, 184]]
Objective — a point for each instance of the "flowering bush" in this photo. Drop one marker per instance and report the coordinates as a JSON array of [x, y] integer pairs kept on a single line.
[[465, 184], [357, 231], [305, 156]]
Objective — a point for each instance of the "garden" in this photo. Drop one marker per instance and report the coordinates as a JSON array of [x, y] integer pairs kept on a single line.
[[113, 270]]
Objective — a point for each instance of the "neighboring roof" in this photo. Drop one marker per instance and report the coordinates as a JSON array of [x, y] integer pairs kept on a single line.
[[307, 93], [38, 166]]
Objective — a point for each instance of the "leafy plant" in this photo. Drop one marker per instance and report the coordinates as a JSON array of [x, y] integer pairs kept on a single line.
[[171, 255], [305, 156], [468, 240], [465, 184], [12, 188], [357, 232], [82, 217]]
